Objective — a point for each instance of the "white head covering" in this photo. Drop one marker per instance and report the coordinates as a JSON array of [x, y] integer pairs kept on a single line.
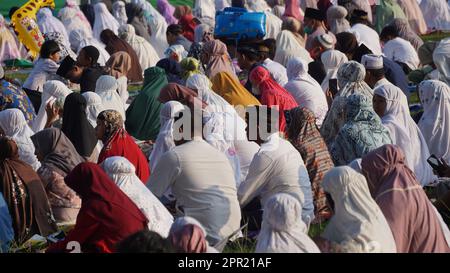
[[49, 23], [222, 4], [120, 13], [222, 123], [305, 89], [122, 172], [177, 49], [204, 8], [326, 40], [73, 18], [52, 91], [94, 107], [405, 133], [104, 20], [144, 50], [158, 26], [436, 14], [435, 122], [288, 47], [358, 224], [332, 60], [282, 227], [79, 38], [372, 61], [441, 58], [15, 126], [106, 88], [164, 142], [336, 19]]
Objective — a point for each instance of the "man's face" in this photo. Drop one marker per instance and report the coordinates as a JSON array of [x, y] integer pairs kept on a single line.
[[171, 38], [242, 61], [83, 59], [74, 75]]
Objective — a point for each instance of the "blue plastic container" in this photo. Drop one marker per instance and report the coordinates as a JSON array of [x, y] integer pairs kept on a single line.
[[238, 23]]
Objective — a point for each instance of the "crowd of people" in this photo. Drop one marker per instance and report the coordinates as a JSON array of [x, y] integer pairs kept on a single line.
[[311, 125]]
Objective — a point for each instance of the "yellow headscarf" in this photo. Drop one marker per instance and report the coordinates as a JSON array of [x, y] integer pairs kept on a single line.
[[232, 90]]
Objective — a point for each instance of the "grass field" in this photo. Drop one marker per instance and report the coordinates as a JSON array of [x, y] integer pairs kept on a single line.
[[5, 5]]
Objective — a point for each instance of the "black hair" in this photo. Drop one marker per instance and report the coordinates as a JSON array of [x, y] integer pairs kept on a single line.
[[145, 241], [175, 29], [377, 73], [92, 52], [271, 44], [249, 52], [12, 10], [48, 48], [388, 31]]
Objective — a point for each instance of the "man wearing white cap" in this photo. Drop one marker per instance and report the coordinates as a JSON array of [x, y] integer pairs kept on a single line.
[[374, 70], [321, 43]]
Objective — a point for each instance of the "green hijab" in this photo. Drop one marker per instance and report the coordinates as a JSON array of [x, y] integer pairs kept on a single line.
[[386, 11], [142, 120]]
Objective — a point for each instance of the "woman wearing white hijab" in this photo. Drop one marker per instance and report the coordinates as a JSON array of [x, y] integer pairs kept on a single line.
[[288, 48], [282, 229], [332, 60], [306, 91], [120, 13], [436, 14], [106, 88], [73, 18], [404, 131], [104, 20], [164, 142], [49, 23], [14, 126], [336, 18], [204, 9], [94, 107], [122, 172], [53, 91], [358, 224], [144, 50], [158, 26], [441, 58], [225, 128], [435, 122], [79, 38]]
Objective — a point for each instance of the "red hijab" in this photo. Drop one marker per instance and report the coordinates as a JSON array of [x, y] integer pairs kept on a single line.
[[272, 94], [408, 211], [119, 143], [188, 24], [107, 215]]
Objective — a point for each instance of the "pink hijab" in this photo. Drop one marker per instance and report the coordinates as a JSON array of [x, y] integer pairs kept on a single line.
[[411, 216], [292, 10]]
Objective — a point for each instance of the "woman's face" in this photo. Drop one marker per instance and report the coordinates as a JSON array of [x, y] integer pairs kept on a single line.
[[100, 129], [379, 105]]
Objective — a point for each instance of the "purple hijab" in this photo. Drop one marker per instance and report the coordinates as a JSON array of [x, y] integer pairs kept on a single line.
[[167, 10]]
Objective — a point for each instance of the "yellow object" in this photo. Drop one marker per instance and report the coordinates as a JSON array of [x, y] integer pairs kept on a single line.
[[25, 26]]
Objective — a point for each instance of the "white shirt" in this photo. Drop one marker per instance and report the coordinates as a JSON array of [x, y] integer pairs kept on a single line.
[[277, 71], [369, 37], [402, 51], [278, 167], [202, 181]]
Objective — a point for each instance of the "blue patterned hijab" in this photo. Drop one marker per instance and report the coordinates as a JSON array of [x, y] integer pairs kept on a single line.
[[362, 132]]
